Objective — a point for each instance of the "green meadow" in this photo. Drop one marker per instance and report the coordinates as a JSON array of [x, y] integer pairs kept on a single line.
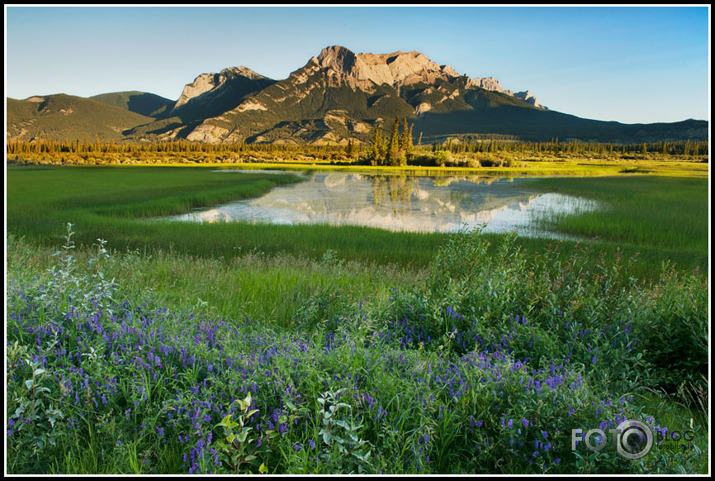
[[149, 347]]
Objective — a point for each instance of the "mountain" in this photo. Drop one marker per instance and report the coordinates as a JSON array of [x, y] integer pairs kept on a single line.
[[208, 96], [220, 91], [141, 103], [339, 95], [62, 116]]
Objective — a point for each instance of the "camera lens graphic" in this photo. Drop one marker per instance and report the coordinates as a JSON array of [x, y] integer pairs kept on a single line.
[[635, 439]]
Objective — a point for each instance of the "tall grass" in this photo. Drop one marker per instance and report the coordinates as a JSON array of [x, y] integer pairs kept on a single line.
[[274, 290], [671, 213]]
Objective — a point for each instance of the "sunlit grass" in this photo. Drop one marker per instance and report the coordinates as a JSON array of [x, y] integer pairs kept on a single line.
[[643, 211]]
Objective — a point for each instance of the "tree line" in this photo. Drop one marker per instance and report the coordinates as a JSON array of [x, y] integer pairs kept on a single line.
[[494, 145], [49, 146], [396, 149]]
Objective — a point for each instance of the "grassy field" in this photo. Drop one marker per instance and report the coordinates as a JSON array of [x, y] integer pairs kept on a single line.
[[361, 350], [478, 364]]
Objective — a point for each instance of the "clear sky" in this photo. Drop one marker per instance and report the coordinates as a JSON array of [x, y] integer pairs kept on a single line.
[[630, 64]]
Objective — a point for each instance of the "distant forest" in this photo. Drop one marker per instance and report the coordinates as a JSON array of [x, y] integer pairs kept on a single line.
[[398, 149]]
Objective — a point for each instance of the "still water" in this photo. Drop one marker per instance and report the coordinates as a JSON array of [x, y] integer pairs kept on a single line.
[[402, 203]]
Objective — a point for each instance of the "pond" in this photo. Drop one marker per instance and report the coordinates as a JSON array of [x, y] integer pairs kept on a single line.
[[402, 203]]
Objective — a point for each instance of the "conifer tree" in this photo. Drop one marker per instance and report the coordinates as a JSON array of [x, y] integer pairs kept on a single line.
[[403, 135], [375, 146], [393, 152], [350, 148], [409, 147]]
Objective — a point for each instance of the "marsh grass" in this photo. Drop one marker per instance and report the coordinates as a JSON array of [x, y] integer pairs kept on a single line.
[[462, 353], [646, 211], [114, 202], [663, 218], [656, 217], [100, 195], [282, 289]]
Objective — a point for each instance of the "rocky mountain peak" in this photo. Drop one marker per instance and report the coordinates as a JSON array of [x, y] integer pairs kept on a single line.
[[337, 57], [242, 72], [208, 83], [365, 71]]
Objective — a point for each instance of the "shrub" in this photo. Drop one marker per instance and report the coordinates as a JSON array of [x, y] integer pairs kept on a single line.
[[442, 158]]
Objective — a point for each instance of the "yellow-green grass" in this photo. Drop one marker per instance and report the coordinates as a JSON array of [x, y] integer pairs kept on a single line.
[[522, 165], [272, 289], [568, 167], [581, 167]]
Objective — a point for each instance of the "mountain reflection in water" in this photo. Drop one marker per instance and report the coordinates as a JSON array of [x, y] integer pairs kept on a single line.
[[401, 203]]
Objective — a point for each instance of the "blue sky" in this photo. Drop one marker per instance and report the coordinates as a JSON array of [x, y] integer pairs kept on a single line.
[[630, 64]]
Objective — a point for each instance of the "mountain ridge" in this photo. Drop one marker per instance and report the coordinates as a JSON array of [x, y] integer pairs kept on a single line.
[[340, 95]]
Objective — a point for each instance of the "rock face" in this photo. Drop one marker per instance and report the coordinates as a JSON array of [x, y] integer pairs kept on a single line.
[[211, 87], [529, 98], [488, 83], [208, 134], [365, 71]]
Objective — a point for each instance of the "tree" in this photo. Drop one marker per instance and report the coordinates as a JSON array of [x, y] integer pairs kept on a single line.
[[410, 147], [350, 148], [378, 148], [403, 135], [394, 151]]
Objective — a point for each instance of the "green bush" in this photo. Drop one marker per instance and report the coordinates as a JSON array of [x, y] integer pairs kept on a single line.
[[442, 158]]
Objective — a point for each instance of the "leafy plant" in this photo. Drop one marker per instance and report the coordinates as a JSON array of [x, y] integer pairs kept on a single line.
[[240, 444], [35, 419], [341, 436]]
